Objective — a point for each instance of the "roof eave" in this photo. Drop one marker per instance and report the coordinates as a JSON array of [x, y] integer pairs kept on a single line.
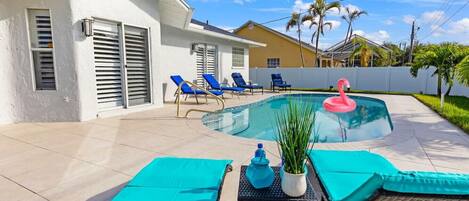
[[193, 28]]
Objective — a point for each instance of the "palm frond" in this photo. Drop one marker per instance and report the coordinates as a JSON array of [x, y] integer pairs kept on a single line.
[[463, 71]]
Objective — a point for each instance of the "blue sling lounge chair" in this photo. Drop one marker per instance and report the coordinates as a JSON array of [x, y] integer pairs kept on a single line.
[[187, 90], [177, 179], [214, 84], [278, 82], [361, 175], [239, 81]]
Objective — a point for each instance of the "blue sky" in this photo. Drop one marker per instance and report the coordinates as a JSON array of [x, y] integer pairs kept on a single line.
[[387, 20]]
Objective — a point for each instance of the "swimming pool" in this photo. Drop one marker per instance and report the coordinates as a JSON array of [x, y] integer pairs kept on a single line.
[[370, 119]]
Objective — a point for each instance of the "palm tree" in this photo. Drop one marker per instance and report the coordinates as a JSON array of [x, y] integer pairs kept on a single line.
[[295, 21], [446, 58], [463, 71], [350, 17], [366, 52], [316, 15]]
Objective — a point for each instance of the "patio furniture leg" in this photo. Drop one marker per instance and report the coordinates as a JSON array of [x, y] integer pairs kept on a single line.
[[206, 99], [196, 99], [187, 95]]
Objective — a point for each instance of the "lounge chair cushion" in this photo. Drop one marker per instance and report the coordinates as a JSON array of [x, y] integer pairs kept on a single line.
[[351, 162], [350, 186], [165, 194], [427, 183], [350, 175], [183, 173]]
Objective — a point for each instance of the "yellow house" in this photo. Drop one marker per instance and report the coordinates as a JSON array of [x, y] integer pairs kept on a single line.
[[281, 50]]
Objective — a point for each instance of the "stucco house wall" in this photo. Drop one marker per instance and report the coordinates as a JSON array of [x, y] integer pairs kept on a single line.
[[140, 13], [177, 58], [75, 96], [19, 99]]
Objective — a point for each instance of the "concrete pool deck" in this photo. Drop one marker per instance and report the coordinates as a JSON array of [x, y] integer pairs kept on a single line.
[[93, 160]]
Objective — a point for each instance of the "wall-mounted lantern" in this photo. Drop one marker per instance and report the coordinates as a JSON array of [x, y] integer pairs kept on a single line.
[[87, 27]]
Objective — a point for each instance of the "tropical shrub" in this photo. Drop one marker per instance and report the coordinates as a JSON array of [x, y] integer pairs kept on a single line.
[[444, 57]]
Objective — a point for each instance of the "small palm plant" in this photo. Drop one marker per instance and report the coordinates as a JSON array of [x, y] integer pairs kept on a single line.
[[294, 130]]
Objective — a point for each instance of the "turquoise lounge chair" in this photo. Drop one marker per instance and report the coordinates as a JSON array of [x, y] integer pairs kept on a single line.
[[361, 175], [177, 179]]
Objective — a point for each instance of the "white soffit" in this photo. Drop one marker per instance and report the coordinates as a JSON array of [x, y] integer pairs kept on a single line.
[[176, 13]]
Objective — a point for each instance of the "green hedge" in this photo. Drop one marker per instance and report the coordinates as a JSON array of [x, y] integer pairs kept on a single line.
[[455, 109]]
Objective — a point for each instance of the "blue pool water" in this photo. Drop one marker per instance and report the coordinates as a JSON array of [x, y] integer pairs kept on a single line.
[[257, 120]]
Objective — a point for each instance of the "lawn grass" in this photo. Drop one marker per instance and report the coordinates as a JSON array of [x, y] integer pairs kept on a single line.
[[455, 109]]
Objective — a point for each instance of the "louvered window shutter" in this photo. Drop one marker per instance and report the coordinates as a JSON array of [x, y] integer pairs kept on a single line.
[[108, 66], [137, 65], [206, 61], [40, 33], [211, 59], [200, 63]]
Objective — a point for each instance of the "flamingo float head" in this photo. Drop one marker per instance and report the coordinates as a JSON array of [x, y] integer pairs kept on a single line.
[[343, 81]]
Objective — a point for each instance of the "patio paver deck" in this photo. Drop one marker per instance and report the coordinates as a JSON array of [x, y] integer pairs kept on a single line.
[[93, 160]]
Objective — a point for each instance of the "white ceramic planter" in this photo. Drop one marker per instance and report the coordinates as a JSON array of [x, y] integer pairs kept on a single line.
[[294, 185]]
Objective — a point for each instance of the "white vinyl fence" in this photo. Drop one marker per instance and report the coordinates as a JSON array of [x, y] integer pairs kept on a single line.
[[390, 79]]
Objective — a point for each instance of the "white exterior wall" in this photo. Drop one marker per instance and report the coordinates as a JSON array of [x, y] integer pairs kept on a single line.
[[177, 59], [391, 79], [18, 98], [142, 13], [75, 97]]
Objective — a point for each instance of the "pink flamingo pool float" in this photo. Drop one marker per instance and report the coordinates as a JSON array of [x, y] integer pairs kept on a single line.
[[342, 103]]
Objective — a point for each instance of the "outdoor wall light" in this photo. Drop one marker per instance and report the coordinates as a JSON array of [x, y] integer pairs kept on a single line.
[[87, 27]]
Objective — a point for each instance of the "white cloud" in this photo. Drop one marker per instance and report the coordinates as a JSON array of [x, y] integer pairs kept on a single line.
[[299, 5], [408, 19], [436, 30], [241, 2], [459, 27], [378, 37], [335, 24], [431, 17], [388, 22], [455, 28]]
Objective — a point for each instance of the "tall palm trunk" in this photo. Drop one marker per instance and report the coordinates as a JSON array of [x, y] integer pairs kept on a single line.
[[318, 60], [346, 37], [439, 85], [301, 45]]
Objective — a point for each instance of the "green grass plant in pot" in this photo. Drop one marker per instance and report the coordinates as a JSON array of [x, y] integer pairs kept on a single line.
[[294, 131]]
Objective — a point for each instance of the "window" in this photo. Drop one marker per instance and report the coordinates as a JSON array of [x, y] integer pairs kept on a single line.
[[238, 57], [273, 62], [40, 34]]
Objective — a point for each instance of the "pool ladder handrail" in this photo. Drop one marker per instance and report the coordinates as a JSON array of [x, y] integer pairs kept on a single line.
[[178, 98]]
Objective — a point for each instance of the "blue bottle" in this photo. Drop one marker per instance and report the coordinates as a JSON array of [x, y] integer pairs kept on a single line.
[[259, 173]]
